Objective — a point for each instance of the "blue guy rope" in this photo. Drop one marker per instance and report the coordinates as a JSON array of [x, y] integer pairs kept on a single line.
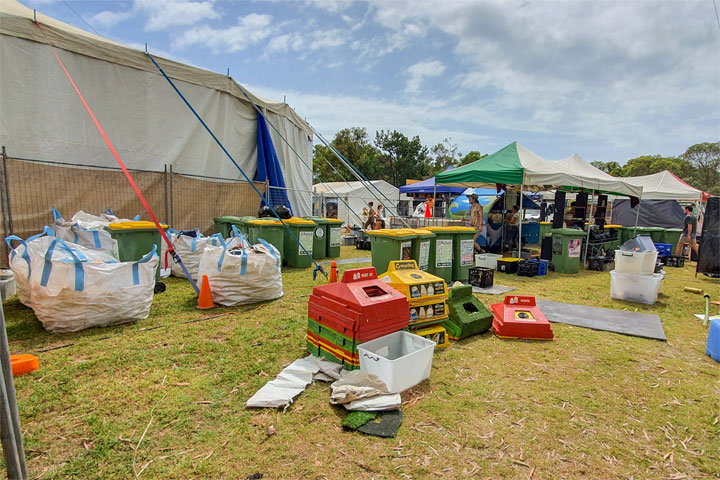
[[317, 265]]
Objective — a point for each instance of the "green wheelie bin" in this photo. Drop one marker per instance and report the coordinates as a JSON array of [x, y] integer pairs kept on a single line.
[[443, 252], [672, 235], [463, 252], [293, 254], [614, 244], [423, 249], [272, 231], [333, 237], [223, 225], [566, 248], [319, 237], [136, 239], [387, 245], [545, 228]]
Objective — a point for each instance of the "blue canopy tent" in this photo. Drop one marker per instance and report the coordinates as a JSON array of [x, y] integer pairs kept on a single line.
[[428, 186], [268, 167]]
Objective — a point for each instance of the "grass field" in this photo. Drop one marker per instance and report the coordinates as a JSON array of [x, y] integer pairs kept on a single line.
[[164, 397]]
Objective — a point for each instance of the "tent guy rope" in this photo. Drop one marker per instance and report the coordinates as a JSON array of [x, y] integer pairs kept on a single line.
[[144, 202]]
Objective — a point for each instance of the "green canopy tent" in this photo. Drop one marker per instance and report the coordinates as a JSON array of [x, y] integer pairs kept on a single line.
[[516, 165]]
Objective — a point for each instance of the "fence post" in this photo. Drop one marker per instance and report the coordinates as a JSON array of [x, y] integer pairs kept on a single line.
[[165, 187], [172, 208], [6, 184], [267, 192]]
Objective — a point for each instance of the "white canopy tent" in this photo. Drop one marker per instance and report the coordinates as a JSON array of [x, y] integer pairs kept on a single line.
[[357, 195], [145, 119], [592, 178], [666, 185]]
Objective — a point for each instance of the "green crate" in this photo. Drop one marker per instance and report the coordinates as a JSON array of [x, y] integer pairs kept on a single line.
[[468, 316], [346, 343]]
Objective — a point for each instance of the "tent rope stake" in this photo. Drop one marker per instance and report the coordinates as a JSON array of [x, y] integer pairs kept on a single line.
[[202, 122], [144, 202]]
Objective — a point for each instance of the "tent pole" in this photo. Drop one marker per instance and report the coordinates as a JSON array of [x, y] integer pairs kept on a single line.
[[520, 213], [637, 216]]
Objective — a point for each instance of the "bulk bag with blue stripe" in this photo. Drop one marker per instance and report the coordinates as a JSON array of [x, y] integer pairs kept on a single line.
[[73, 288], [190, 246], [19, 259], [240, 273], [86, 230]]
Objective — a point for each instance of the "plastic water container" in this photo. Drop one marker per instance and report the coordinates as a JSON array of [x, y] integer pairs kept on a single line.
[[487, 260], [7, 284], [635, 263], [635, 288], [401, 359], [713, 342], [639, 243]]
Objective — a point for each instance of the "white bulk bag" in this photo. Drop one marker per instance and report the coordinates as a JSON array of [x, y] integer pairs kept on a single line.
[[190, 250], [93, 235], [72, 290], [19, 259], [240, 273]]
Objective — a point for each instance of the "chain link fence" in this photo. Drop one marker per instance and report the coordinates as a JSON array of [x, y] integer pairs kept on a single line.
[[29, 189]]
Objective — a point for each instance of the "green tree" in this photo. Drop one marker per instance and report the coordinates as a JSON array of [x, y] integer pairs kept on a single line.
[[705, 158], [445, 154], [611, 168], [401, 158], [472, 156], [353, 143]]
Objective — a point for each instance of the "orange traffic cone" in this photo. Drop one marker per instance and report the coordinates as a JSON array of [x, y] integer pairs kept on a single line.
[[205, 300], [333, 273]]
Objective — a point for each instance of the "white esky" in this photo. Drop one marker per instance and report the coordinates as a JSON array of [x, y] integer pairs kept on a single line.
[[610, 80]]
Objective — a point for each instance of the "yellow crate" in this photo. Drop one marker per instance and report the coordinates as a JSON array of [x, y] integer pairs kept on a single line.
[[417, 285], [437, 334], [425, 312]]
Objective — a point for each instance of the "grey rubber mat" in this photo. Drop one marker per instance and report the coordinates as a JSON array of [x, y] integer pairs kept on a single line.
[[644, 325], [494, 290]]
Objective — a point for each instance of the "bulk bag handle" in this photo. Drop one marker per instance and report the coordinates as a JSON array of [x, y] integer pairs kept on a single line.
[[47, 268], [25, 256], [273, 251], [136, 265], [95, 234], [56, 215]]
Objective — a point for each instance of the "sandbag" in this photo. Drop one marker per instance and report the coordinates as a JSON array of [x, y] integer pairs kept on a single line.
[[191, 250], [87, 231], [72, 288], [240, 273], [19, 259]]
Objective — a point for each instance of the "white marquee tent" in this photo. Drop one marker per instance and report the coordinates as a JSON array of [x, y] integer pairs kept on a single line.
[[357, 195], [149, 125], [666, 185]]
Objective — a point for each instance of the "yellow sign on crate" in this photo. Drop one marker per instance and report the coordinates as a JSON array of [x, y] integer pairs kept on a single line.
[[417, 285], [426, 312], [437, 334]]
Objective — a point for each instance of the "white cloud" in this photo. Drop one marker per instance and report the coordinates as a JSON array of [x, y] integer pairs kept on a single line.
[[421, 70], [249, 30], [163, 14], [327, 39], [332, 6], [109, 19]]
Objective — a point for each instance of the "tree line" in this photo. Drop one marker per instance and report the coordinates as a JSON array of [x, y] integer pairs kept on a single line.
[[394, 157]]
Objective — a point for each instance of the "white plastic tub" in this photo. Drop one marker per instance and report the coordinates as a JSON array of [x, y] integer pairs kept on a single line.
[[488, 260], [635, 263], [400, 359], [635, 288], [7, 284]]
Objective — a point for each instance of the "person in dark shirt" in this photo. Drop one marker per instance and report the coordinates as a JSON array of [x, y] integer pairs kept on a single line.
[[689, 232]]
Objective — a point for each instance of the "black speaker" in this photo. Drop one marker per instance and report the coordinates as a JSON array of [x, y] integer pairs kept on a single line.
[[709, 251], [546, 248], [600, 210], [559, 210], [581, 206]]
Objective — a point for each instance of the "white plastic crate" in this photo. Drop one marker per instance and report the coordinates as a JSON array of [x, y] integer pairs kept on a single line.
[[487, 260], [400, 359], [635, 263], [635, 288]]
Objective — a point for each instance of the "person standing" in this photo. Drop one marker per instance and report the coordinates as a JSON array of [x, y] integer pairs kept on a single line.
[[371, 217], [689, 232], [379, 218], [477, 218]]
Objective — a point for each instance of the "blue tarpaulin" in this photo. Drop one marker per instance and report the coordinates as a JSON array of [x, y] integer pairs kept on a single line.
[[428, 186], [268, 166]]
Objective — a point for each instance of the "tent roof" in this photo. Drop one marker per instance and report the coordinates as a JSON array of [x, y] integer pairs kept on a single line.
[[595, 179], [16, 20], [342, 188], [516, 165], [666, 185], [428, 186]]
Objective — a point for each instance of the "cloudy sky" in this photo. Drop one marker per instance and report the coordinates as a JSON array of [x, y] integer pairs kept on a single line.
[[609, 80]]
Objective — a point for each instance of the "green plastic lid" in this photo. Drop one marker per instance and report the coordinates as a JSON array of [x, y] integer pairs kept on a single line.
[[569, 231]]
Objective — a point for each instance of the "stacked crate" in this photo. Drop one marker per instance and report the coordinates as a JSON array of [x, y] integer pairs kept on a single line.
[[426, 294], [357, 309]]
